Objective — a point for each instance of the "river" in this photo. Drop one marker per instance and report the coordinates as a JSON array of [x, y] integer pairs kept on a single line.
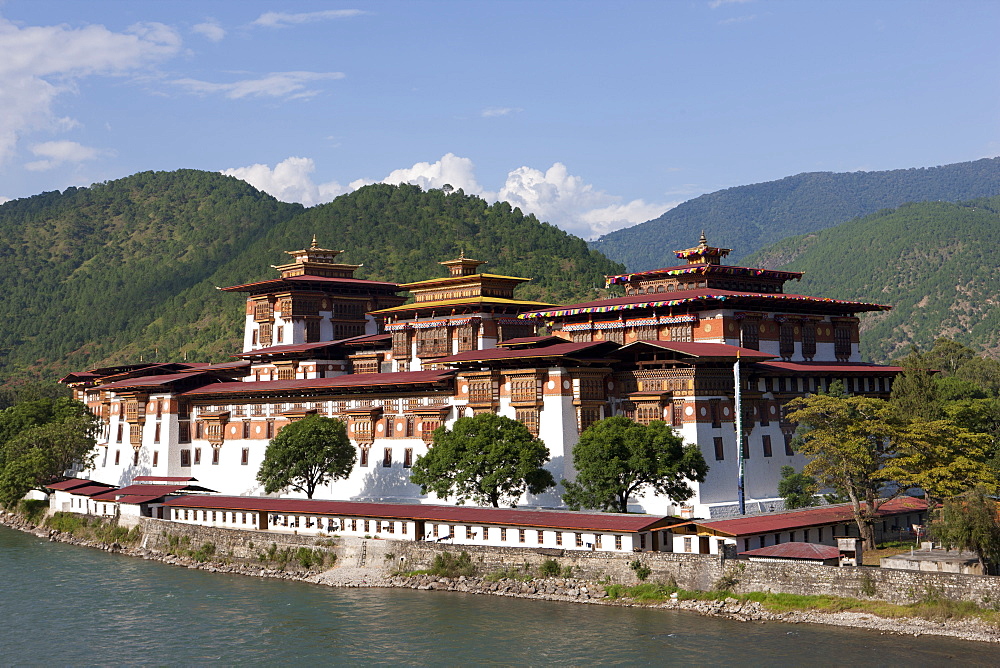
[[68, 605]]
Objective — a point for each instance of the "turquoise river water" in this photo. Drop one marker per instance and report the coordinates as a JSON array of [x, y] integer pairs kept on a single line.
[[64, 605]]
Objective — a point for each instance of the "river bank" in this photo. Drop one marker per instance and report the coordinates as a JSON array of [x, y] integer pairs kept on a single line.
[[561, 589]]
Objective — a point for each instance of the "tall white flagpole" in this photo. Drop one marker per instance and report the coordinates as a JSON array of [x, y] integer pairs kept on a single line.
[[739, 433]]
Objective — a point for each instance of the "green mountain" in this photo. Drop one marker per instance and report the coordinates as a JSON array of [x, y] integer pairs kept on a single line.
[[127, 269], [934, 262], [748, 218]]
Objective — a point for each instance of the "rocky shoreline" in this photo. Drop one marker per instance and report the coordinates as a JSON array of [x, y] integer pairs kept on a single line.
[[569, 590]]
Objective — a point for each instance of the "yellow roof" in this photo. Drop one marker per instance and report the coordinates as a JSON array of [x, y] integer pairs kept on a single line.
[[461, 279], [460, 302]]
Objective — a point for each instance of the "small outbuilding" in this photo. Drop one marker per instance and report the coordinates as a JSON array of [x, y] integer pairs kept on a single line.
[[814, 553], [936, 561]]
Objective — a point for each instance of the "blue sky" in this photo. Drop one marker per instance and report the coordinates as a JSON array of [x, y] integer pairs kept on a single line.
[[592, 115]]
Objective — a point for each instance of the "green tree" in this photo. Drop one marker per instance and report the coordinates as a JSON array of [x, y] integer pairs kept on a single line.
[[797, 489], [969, 522], [847, 438], [914, 392], [617, 458], [306, 454], [39, 455], [487, 458]]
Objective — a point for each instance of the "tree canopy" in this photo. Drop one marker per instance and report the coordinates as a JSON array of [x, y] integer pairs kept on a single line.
[[617, 458], [969, 522], [40, 440], [307, 454], [488, 459], [797, 489]]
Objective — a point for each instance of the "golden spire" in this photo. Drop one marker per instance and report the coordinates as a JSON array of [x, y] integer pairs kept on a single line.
[[314, 242]]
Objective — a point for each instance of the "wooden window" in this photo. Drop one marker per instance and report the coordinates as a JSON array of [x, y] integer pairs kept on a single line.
[[280, 332], [390, 527], [618, 542], [121, 430], [646, 333], [468, 533], [387, 458], [520, 535], [480, 392], [435, 530], [404, 527], [364, 457], [503, 535], [808, 341], [433, 342], [366, 526], [199, 430], [410, 427], [765, 415], [842, 342], [750, 335], [401, 345], [615, 336], [286, 373], [407, 458], [529, 418], [720, 453], [597, 538], [156, 457], [516, 331], [540, 536], [269, 430], [312, 331], [765, 442], [243, 518], [786, 341], [523, 389], [466, 338], [558, 537], [584, 336], [646, 413], [588, 416], [788, 443], [682, 332], [715, 411], [156, 433], [215, 456], [246, 430], [245, 457], [197, 456], [185, 458], [579, 539], [265, 333]]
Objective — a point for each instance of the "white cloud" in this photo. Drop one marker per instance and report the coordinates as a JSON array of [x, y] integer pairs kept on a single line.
[[289, 181], [4, 199], [737, 19], [450, 169], [210, 30], [294, 85], [40, 63], [56, 153], [491, 112], [558, 197], [554, 196], [715, 4], [283, 20]]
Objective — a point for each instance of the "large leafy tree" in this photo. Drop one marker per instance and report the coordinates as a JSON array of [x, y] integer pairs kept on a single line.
[[40, 441], [797, 489], [969, 522], [941, 458], [847, 439], [617, 458], [306, 454], [488, 459]]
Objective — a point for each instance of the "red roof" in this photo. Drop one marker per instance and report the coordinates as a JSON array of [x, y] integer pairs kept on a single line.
[[342, 381], [682, 297], [703, 349], [91, 490], [154, 381], [624, 523], [810, 517], [726, 269], [531, 340], [72, 483], [810, 551], [290, 348], [556, 350], [827, 367], [162, 479], [153, 490], [278, 282]]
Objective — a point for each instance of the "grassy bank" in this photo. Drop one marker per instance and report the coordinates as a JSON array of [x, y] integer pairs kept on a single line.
[[93, 528], [931, 606]]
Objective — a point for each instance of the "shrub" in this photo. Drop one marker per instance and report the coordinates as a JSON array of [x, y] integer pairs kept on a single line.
[[33, 510], [305, 557], [642, 571], [549, 568], [448, 565], [66, 522], [204, 553]]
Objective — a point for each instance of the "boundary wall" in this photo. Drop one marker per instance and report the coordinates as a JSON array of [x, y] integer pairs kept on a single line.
[[689, 571]]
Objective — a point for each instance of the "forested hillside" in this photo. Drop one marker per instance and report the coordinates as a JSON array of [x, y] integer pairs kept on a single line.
[[128, 269], [748, 218], [934, 262]]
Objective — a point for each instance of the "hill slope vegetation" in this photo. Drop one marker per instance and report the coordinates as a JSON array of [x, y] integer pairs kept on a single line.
[[127, 269], [934, 262], [750, 217]]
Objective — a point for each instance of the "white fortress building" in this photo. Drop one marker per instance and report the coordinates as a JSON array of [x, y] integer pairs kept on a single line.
[[319, 341]]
